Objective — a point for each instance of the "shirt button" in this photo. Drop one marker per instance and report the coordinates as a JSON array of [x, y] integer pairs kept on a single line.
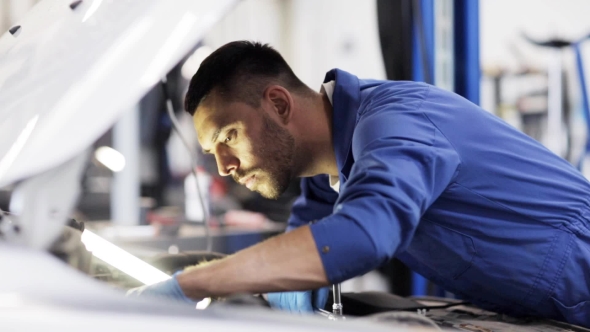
[[325, 249]]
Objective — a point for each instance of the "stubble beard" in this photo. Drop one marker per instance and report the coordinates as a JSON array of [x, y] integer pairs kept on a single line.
[[276, 153]]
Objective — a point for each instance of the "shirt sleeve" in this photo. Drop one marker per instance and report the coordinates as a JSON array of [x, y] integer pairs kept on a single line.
[[402, 165], [315, 202]]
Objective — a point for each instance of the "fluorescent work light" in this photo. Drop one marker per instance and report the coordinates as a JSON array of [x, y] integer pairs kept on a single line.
[[127, 263], [122, 260]]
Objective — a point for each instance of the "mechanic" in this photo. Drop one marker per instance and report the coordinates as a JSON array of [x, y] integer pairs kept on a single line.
[[389, 169]]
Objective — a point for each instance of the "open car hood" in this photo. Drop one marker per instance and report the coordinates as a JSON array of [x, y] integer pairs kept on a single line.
[[73, 67]]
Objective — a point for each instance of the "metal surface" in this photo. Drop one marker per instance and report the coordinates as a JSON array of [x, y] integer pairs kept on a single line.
[[68, 75], [466, 40], [554, 110], [42, 204], [337, 307], [125, 190], [444, 54], [465, 317], [583, 163], [423, 49], [329, 315], [62, 299]]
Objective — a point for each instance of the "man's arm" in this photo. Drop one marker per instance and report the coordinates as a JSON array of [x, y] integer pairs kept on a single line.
[[286, 262], [403, 163]]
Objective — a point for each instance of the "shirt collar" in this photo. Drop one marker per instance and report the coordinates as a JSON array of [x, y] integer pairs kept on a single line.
[[346, 101]]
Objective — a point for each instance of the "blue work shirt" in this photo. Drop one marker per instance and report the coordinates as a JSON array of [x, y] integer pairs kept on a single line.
[[454, 192]]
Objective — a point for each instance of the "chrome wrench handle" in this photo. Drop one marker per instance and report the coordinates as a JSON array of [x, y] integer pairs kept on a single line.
[[337, 306]]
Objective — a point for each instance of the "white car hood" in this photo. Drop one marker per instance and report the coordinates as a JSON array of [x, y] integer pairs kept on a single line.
[[68, 74]]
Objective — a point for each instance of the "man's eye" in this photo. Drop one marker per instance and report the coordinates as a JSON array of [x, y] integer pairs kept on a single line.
[[230, 136]]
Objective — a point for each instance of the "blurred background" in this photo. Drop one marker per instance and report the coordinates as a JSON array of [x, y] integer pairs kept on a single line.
[[519, 59]]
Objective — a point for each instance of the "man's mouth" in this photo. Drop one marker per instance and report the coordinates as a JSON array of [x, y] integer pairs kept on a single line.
[[248, 181]]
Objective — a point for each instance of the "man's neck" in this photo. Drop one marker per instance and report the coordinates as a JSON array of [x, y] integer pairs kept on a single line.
[[317, 146]]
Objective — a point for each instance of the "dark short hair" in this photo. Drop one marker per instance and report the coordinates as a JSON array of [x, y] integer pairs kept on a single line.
[[239, 71]]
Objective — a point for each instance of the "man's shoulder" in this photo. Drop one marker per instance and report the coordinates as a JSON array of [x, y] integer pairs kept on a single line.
[[399, 94]]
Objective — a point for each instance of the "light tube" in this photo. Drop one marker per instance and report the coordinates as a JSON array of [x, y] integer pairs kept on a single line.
[[121, 259], [128, 263]]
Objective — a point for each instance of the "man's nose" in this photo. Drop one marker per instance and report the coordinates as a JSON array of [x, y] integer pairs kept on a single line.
[[227, 164]]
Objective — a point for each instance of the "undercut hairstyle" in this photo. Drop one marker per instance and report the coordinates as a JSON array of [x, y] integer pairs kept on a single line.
[[239, 72]]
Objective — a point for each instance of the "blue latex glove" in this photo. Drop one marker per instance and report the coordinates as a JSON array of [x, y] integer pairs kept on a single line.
[[300, 302], [168, 289]]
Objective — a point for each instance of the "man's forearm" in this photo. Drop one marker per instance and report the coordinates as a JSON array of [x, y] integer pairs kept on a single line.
[[286, 262]]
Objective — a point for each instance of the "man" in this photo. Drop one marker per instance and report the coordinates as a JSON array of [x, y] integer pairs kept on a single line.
[[390, 169]]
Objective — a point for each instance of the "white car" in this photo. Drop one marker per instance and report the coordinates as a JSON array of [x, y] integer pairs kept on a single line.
[[68, 71]]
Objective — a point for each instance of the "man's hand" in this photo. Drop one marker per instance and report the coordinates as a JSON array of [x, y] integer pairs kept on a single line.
[[167, 289], [300, 302], [261, 268]]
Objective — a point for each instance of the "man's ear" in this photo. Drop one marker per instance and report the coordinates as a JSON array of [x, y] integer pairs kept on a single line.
[[281, 102]]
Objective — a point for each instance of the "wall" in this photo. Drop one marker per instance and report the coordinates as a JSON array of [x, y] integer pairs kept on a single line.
[[504, 21], [313, 36], [503, 48]]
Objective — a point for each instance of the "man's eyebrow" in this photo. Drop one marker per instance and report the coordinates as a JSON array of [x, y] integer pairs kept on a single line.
[[216, 134]]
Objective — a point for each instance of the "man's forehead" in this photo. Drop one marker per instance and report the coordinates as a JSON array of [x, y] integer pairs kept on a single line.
[[208, 119], [207, 124]]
